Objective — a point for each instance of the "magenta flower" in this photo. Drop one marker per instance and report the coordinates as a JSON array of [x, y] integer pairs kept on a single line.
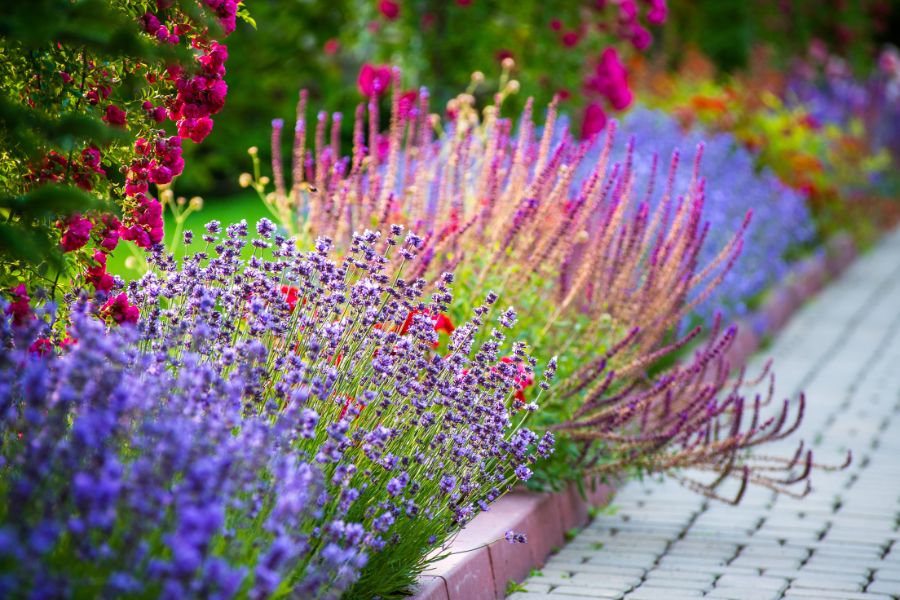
[[97, 275], [146, 229], [331, 47], [611, 80], [226, 11], [77, 234], [641, 38], [150, 23], [196, 129], [20, 309], [373, 80], [160, 174], [119, 310], [594, 120], [657, 13], [114, 115], [91, 159], [389, 9], [570, 39]]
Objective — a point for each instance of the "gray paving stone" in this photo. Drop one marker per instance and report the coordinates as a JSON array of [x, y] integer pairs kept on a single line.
[[604, 581], [665, 543], [600, 569], [537, 588], [805, 594], [750, 583], [648, 592], [766, 562], [587, 592], [824, 582], [743, 594], [884, 587], [890, 574]]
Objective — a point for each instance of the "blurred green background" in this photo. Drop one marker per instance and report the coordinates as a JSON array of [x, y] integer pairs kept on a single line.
[[321, 46]]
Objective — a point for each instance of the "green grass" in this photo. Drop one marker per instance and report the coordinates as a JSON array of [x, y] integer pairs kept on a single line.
[[227, 210]]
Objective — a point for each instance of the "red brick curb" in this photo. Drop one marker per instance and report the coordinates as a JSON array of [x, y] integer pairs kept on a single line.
[[482, 561]]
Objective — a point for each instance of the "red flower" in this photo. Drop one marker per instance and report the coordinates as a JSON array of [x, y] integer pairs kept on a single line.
[[389, 9], [503, 54], [331, 47], [570, 39], [77, 234], [441, 323], [374, 80], [347, 404], [97, 275], [119, 310], [41, 346], [524, 379], [19, 309], [114, 115], [291, 294], [464, 2], [196, 129], [594, 121], [640, 38]]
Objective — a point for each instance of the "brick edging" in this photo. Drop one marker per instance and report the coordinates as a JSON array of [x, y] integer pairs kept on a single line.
[[484, 561]]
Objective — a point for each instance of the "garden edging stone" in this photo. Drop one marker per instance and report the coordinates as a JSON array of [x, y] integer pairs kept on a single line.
[[482, 562]]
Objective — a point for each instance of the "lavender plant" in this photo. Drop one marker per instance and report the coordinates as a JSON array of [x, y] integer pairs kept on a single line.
[[122, 477], [334, 451]]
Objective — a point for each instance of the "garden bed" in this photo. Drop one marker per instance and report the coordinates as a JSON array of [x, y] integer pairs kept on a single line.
[[482, 562]]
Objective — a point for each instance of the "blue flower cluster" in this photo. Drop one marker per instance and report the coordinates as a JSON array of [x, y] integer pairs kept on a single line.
[[781, 224], [235, 443]]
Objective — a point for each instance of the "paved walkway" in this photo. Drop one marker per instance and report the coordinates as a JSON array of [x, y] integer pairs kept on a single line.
[[840, 542]]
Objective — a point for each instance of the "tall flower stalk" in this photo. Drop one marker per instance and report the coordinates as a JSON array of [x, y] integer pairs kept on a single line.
[[378, 448], [605, 268]]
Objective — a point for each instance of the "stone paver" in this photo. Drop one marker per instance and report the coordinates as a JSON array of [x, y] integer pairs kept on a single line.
[[841, 542]]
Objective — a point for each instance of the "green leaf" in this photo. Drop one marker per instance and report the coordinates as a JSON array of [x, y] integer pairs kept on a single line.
[[29, 246], [50, 201], [244, 15]]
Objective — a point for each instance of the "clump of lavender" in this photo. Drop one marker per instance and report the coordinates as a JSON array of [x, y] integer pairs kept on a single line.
[[121, 476], [311, 398]]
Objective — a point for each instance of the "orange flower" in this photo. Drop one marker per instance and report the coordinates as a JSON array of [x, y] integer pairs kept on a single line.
[[709, 103]]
